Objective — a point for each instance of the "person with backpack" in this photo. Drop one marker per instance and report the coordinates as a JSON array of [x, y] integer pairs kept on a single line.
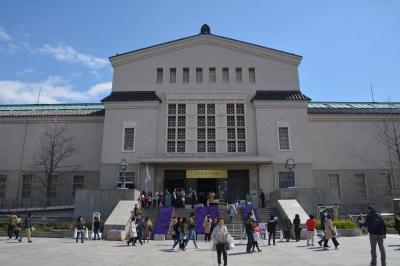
[[192, 230], [232, 211], [28, 226], [377, 233], [286, 228]]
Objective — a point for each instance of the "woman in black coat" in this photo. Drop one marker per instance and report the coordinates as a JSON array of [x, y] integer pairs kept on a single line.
[[297, 228]]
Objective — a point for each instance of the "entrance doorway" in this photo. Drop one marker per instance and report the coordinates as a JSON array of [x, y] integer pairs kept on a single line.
[[238, 184], [174, 179], [205, 186]]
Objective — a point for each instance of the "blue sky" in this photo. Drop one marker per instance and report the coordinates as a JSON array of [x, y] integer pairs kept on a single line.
[[63, 47]]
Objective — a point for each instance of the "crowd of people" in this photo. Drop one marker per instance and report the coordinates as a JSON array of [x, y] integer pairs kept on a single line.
[[16, 225], [139, 229]]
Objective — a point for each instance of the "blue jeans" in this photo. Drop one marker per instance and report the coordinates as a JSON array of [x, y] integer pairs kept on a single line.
[[192, 235], [82, 233]]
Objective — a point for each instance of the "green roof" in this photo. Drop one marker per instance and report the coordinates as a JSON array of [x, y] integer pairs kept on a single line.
[[38, 107], [354, 105]]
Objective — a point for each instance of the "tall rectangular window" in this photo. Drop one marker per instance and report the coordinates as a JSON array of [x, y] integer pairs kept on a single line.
[[252, 75], [286, 179], [159, 75], [387, 185], [212, 75], [334, 181], [78, 181], [3, 186], [176, 127], [26, 186], [172, 75], [361, 186], [199, 75], [129, 138], [283, 138], [185, 75], [225, 75], [53, 187], [236, 127], [239, 74]]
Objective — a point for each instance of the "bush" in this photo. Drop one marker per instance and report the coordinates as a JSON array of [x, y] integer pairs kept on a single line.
[[340, 224], [390, 224]]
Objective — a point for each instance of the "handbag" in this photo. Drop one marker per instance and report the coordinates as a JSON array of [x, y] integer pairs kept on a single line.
[[227, 246], [32, 228]]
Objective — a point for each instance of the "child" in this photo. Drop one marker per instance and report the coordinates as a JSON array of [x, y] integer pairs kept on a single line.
[[256, 236], [310, 224]]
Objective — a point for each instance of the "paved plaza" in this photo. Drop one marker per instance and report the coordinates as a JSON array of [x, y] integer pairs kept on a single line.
[[50, 251]]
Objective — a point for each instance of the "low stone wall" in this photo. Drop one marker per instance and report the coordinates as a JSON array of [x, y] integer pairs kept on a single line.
[[104, 201], [349, 232]]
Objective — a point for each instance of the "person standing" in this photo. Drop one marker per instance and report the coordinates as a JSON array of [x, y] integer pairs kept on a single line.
[[219, 237], [211, 198], [310, 224], [12, 222], [249, 233], [96, 228], [377, 233], [80, 228], [192, 230], [329, 233], [297, 228], [28, 228], [262, 198], [207, 228], [286, 228], [174, 198], [271, 228], [232, 211]]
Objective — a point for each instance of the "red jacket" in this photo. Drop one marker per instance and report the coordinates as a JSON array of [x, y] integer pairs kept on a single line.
[[310, 224]]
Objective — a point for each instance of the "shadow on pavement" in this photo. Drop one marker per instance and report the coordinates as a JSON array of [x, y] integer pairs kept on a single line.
[[237, 253]]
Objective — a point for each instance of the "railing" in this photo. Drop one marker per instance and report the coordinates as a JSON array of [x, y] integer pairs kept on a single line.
[[34, 203]]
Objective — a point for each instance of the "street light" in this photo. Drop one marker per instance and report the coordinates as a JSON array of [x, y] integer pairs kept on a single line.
[[123, 165], [290, 165]]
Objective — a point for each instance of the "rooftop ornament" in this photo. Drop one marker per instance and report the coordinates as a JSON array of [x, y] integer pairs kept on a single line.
[[205, 29]]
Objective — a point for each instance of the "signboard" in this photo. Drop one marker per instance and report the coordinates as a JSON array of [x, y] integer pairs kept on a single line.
[[206, 174]]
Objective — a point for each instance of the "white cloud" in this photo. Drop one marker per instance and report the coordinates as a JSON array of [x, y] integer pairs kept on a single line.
[[100, 89], [25, 72], [52, 90], [68, 54], [4, 36]]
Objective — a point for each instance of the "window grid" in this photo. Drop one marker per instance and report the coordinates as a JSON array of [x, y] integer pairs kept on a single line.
[[283, 138], [3, 186], [26, 186], [225, 75], [387, 185], [206, 127], [236, 127], [199, 75], [361, 186], [252, 75], [212, 78], [172, 75], [78, 181], [127, 177], [334, 181], [176, 128], [129, 137]]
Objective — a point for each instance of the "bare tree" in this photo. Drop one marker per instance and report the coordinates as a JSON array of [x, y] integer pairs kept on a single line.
[[389, 135], [52, 157]]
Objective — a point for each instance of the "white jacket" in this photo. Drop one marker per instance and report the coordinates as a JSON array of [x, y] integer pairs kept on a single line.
[[132, 230]]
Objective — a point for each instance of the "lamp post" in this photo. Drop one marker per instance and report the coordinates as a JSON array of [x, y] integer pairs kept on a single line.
[[123, 165], [290, 165]]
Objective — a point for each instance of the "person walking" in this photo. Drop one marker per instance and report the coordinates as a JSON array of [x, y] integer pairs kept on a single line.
[[80, 228], [192, 230], [286, 228], [27, 224], [256, 236], [271, 228], [140, 227], [330, 233], [132, 232], [148, 228], [175, 235], [232, 211], [96, 228], [323, 218], [12, 222], [207, 228], [262, 198], [377, 233], [297, 228], [219, 238], [249, 233], [310, 224], [18, 227], [183, 230]]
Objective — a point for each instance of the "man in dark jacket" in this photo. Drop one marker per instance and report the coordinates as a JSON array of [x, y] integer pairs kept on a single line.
[[262, 198], [377, 232], [249, 232], [271, 227], [323, 218]]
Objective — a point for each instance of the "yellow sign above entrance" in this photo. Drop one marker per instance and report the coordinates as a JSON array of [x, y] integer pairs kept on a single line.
[[206, 174]]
